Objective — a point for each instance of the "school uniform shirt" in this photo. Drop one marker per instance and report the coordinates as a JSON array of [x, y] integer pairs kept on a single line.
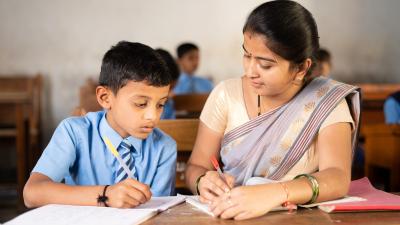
[[169, 110], [78, 154], [188, 84], [391, 109]]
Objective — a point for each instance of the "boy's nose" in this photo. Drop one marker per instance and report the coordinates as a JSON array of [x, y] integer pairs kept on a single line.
[[150, 114]]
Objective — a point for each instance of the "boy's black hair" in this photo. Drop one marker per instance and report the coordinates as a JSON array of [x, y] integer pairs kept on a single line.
[[171, 63], [323, 55], [137, 62], [185, 48]]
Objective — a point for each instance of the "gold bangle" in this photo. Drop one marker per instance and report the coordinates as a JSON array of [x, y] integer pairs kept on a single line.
[[314, 186]]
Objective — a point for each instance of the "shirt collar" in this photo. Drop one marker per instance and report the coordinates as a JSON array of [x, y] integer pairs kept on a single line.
[[184, 76], [107, 131]]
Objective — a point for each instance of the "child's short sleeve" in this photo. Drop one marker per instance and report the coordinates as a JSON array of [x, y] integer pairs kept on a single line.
[[59, 154], [215, 111]]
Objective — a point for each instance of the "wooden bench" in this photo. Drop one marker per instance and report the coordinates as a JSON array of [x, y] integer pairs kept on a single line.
[[184, 132], [382, 150], [190, 105], [87, 99], [373, 98], [20, 99]]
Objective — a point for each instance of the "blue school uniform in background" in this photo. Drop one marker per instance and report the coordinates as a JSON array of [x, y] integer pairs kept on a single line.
[[77, 153], [192, 84], [169, 110], [391, 109]]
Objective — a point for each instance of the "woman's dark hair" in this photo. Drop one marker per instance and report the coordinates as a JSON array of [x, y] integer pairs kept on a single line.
[[289, 28], [137, 62]]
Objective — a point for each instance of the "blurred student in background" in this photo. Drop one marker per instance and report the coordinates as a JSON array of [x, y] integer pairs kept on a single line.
[[188, 82], [169, 111], [324, 63], [392, 108]]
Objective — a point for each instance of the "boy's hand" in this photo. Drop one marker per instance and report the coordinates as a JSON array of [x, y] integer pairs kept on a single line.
[[128, 193]]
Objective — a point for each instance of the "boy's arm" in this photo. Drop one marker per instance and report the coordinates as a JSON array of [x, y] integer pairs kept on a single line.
[[43, 185], [41, 190]]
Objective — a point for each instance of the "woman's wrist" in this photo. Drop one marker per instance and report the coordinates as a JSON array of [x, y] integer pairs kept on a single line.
[[281, 194], [197, 183]]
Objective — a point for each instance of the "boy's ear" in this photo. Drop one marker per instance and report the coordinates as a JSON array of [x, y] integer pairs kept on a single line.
[[104, 96]]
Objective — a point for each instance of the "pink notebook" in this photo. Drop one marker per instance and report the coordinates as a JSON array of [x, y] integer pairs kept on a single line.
[[376, 200]]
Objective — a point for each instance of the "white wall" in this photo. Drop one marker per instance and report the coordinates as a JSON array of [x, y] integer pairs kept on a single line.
[[65, 40]]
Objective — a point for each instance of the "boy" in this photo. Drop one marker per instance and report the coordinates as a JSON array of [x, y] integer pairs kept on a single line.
[[188, 60], [133, 87], [324, 63], [169, 108]]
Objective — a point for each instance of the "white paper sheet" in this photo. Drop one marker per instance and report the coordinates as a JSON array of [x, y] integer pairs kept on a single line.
[[87, 215]]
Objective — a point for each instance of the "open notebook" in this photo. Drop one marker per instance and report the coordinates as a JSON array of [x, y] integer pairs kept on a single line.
[[194, 200], [85, 215]]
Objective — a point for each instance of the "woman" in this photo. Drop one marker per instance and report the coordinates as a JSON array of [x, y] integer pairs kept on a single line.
[[274, 124]]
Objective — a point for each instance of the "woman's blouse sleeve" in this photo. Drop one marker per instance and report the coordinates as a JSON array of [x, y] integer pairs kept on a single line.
[[215, 112]]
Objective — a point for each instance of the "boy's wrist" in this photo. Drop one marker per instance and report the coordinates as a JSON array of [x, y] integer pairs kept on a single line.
[[103, 198]]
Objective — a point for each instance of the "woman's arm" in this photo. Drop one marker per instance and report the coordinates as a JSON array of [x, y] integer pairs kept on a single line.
[[207, 144], [334, 147], [41, 190]]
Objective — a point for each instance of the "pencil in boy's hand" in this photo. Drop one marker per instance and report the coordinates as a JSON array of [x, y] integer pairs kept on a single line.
[[114, 151], [215, 163]]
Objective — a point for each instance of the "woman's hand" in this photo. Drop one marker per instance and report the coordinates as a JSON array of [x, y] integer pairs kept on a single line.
[[211, 186], [246, 202]]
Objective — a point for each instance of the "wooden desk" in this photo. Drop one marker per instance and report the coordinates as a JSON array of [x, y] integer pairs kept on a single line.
[[382, 150], [18, 101], [186, 214]]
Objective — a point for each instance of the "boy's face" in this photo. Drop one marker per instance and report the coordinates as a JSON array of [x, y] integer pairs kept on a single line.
[[189, 62], [325, 68], [136, 108]]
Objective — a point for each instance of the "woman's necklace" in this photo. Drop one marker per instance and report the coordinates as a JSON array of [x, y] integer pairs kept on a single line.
[[259, 104]]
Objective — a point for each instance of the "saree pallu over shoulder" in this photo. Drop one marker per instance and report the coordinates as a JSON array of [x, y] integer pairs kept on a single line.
[[271, 144]]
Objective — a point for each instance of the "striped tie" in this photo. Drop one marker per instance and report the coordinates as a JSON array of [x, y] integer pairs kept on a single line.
[[124, 151]]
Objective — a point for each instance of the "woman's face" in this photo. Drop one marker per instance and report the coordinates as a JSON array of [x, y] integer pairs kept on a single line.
[[268, 73]]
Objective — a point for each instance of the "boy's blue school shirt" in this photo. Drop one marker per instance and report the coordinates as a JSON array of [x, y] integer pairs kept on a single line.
[[78, 154], [192, 84]]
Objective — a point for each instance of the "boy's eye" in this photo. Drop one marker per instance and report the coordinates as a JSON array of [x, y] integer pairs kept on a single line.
[[247, 56], [141, 105], [161, 105]]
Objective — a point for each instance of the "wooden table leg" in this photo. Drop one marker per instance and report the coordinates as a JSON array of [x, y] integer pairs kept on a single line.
[[21, 150]]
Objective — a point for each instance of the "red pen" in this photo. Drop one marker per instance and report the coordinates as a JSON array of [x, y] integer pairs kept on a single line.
[[216, 166]]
